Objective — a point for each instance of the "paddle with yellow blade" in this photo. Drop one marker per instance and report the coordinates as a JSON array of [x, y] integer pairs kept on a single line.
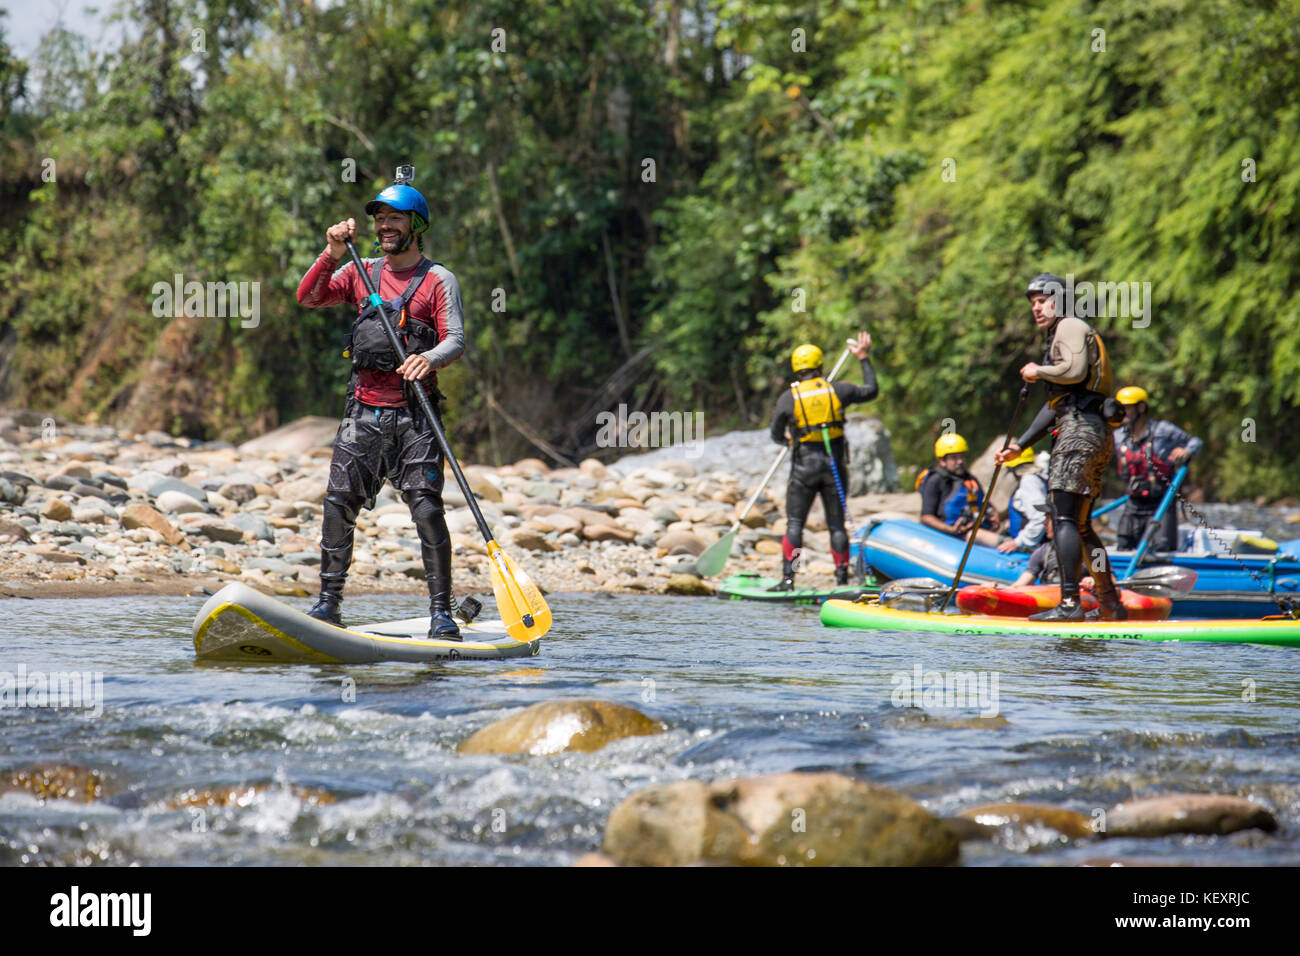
[[523, 610], [714, 557]]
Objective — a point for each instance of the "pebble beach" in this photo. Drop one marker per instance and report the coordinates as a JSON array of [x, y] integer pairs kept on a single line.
[[91, 511]]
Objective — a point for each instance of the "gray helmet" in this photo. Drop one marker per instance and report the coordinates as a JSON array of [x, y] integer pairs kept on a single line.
[[1045, 283]]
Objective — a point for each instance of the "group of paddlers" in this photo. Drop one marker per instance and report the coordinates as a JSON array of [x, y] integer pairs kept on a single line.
[[1051, 508], [383, 436]]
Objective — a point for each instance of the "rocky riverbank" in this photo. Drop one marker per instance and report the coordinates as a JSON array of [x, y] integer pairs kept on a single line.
[[89, 511]]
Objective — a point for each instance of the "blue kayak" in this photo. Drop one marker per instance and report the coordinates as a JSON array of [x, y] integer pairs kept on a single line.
[[1225, 586]]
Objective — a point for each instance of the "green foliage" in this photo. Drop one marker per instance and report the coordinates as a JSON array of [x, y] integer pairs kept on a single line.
[[818, 168], [981, 144]]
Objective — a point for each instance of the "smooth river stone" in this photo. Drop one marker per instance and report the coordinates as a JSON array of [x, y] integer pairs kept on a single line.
[[673, 540], [144, 480], [1187, 813], [140, 515], [786, 819], [532, 540], [687, 584], [605, 532], [1070, 823], [175, 484], [56, 510], [558, 725], [178, 502]]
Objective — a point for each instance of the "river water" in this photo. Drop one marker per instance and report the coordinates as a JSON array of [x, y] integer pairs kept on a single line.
[[744, 689]]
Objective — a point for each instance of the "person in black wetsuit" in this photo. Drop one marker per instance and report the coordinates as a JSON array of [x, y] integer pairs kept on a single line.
[[812, 407]]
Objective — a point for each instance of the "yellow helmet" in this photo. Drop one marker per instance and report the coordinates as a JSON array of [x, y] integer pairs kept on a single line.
[[951, 444], [806, 357], [1024, 458], [1132, 395]]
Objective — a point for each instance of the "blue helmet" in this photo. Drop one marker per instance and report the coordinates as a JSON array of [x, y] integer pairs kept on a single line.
[[404, 199]]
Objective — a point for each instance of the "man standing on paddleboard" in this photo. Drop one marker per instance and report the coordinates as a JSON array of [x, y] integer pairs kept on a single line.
[[383, 434], [806, 417], [1080, 414]]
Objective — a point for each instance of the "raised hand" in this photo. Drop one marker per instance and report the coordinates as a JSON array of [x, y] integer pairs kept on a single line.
[[860, 346]]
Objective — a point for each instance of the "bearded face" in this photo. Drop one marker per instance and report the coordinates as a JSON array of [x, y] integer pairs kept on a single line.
[[392, 229]]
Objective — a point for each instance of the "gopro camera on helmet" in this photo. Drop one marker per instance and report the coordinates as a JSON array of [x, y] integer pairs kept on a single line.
[[405, 176]]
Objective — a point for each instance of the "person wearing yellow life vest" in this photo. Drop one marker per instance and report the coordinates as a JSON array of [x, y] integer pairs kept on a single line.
[[951, 496], [1079, 413], [801, 413]]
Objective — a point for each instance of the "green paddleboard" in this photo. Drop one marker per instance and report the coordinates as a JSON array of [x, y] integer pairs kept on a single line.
[[1285, 633], [754, 587]]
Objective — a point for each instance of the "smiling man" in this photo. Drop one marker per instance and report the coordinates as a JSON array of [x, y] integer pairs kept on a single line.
[[383, 434]]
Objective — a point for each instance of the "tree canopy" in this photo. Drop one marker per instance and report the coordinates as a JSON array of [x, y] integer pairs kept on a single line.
[[653, 201]]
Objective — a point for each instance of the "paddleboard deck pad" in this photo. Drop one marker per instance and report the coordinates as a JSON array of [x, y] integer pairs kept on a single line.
[[240, 624], [748, 586], [868, 616]]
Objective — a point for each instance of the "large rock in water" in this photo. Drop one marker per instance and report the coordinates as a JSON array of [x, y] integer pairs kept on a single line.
[[1067, 822], [556, 725], [788, 819], [1187, 813]]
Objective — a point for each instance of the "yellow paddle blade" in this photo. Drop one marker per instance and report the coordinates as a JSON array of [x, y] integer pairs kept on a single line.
[[523, 609]]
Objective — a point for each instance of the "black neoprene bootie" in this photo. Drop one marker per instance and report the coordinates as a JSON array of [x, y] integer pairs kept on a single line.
[[1068, 610], [441, 625], [326, 609], [337, 526], [1065, 611], [787, 578], [333, 576], [842, 574]]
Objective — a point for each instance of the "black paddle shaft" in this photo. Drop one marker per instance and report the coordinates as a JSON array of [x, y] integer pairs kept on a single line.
[[420, 393], [979, 519]]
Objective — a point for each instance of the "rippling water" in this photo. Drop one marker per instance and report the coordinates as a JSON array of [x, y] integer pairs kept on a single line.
[[744, 689]]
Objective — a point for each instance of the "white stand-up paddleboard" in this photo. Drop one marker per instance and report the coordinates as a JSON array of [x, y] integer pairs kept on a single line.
[[240, 624]]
